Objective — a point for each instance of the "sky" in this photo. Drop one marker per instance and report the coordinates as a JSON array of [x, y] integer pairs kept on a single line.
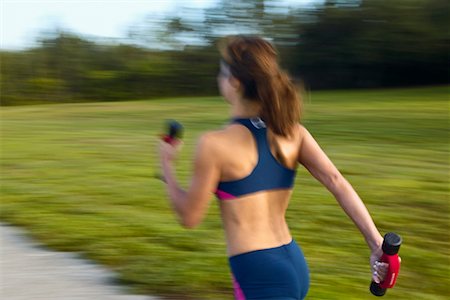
[[22, 21]]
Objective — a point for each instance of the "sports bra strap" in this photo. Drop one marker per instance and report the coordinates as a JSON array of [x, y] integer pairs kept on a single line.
[[268, 173]]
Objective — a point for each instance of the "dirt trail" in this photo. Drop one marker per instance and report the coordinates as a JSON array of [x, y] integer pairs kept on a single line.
[[29, 271]]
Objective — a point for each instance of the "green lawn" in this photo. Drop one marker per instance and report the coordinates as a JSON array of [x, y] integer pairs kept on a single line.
[[79, 177]]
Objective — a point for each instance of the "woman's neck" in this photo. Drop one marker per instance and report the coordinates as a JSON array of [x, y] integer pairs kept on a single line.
[[244, 110]]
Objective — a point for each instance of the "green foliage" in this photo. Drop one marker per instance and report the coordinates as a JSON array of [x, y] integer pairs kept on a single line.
[[341, 44], [375, 43], [64, 69], [79, 177]]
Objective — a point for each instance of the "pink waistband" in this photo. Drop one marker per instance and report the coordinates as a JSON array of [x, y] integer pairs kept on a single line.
[[224, 195]]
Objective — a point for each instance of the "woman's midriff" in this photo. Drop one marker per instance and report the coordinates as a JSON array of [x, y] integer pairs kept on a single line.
[[256, 221]]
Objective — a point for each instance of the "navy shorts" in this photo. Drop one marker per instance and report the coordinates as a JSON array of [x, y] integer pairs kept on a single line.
[[276, 273]]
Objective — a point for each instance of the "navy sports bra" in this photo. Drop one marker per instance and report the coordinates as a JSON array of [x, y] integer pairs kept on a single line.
[[268, 174]]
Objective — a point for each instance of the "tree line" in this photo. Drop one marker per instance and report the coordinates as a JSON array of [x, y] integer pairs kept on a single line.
[[335, 44]]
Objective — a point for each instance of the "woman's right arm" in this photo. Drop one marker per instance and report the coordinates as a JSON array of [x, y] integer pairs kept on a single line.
[[314, 159]]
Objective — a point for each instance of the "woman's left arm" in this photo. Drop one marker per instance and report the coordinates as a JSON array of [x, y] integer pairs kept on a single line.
[[191, 204], [320, 166]]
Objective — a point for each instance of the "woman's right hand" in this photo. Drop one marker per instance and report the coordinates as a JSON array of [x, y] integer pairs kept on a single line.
[[379, 269], [168, 152]]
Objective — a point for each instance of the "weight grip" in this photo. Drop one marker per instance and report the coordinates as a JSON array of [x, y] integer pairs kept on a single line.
[[391, 246], [174, 132]]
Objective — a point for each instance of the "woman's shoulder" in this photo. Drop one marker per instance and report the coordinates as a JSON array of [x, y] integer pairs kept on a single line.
[[300, 130], [211, 139], [212, 135], [222, 134], [219, 141]]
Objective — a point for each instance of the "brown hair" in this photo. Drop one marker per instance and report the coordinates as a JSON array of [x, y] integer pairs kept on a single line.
[[254, 62]]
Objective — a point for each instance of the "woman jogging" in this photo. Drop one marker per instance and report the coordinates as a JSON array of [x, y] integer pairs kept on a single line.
[[251, 165]]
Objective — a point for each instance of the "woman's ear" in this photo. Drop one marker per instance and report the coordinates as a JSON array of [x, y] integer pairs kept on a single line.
[[236, 84]]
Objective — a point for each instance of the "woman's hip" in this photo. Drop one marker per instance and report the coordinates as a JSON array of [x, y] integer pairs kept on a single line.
[[274, 272]]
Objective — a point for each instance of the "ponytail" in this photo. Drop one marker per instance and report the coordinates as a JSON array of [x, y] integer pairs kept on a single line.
[[280, 103], [253, 61]]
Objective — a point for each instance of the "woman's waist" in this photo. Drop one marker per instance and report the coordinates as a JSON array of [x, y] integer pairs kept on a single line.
[[244, 239]]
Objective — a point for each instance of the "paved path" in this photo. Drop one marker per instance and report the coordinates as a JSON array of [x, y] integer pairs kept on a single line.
[[28, 271]]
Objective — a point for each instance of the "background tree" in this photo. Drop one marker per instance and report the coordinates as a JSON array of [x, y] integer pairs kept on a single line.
[[337, 44]]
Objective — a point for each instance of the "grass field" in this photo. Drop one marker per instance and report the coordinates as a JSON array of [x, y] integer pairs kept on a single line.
[[79, 177]]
